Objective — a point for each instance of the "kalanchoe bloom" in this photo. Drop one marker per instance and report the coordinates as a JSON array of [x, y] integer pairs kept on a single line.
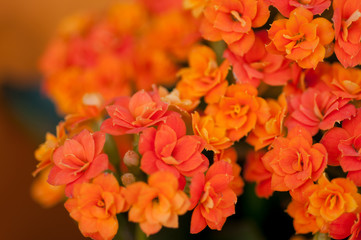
[[258, 65], [344, 146], [212, 197], [44, 153], [230, 155], [295, 161], [214, 136], [157, 203], [78, 160], [169, 148], [315, 109], [301, 38], [347, 21], [303, 221], [265, 132], [134, 114], [95, 206], [287, 6], [232, 21], [203, 77], [348, 224], [255, 171], [332, 199], [197, 6], [237, 111]]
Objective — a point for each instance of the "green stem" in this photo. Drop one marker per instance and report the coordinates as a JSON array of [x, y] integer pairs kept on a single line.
[[139, 234]]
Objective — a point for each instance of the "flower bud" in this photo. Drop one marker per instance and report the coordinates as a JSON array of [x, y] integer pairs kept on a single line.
[[127, 179], [131, 158]]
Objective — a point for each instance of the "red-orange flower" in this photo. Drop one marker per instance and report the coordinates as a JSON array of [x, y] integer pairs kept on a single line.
[[258, 65], [157, 203], [347, 20], [315, 109], [332, 199], [230, 155], [168, 148], [301, 38], [287, 6], [294, 160], [95, 206], [232, 21], [78, 160], [237, 111], [255, 171], [346, 225], [134, 114], [212, 196]]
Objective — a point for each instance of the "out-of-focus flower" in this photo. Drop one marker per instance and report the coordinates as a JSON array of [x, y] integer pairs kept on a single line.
[[197, 6], [45, 194], [157, 203], [95, 206], [258, 65], [212, 197], [134, 114], [78, 160], [255, 171], [347, 21], [232, 21], [301, 38], [287, 6]]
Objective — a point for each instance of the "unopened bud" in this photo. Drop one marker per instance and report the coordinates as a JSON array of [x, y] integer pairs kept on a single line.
[[131, 158], [128, 178]]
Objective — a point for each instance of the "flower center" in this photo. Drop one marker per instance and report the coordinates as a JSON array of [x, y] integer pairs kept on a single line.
[[101, 204], [237, 18]]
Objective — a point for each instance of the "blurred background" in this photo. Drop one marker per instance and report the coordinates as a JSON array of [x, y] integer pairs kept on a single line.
[[26, 115]]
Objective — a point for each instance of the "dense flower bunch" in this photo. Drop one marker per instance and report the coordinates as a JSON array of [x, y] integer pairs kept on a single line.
[[159, 152]]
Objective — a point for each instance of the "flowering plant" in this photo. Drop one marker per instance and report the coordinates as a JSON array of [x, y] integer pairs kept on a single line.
[[128, 147]]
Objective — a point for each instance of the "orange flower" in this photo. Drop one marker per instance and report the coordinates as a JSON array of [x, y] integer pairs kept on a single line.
[[157, 203], [197, 6], [169, 148], [237, 111], [264, 133], [161, 6], [134, 114], [255, 171], [44, 153], [212, 196], [331, 199], [303, 222], [95, 206], [78, 160], [301, 38], [44, 193], [294, 160], [230, 155], [347, 20], [174, 99], [260, 65], [317, 109], [214, 136], [345, 83], [232, 21], [287, 6], [203, 77]]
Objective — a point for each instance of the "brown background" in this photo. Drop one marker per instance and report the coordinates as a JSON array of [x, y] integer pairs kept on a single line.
[[25, 28]]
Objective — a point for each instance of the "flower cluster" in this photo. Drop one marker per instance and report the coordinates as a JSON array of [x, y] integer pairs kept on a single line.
[[266, 92]]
